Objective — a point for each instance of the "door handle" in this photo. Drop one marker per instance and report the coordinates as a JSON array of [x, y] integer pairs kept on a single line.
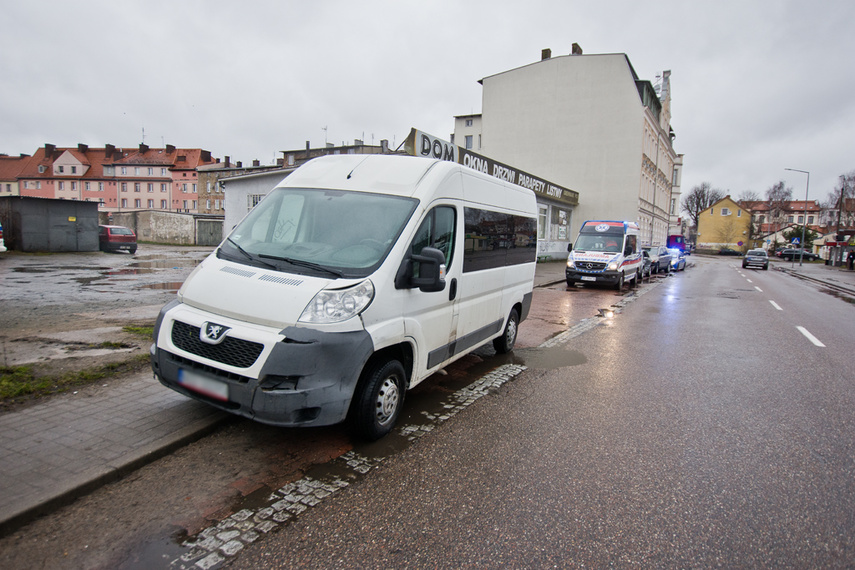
[[452, 289]]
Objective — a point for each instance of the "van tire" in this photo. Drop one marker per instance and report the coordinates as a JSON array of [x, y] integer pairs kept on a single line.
[[619, 284], [379, 400], [505, 343]]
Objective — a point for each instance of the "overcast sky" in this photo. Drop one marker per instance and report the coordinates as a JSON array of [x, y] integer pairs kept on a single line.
[[757, 86]]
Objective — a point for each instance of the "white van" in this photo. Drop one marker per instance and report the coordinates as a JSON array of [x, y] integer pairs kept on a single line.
[[606, 251], [352, 281]]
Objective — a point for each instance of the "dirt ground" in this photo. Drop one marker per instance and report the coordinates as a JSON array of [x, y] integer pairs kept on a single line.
[[67, 312]]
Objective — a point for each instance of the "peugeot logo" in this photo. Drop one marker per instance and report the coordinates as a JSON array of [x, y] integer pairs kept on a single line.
[[212, 333]]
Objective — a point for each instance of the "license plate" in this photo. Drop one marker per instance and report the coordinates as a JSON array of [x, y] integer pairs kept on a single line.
[[198, 383], [586, 278]]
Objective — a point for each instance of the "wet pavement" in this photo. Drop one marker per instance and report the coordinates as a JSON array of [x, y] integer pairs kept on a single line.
[[68, 445]]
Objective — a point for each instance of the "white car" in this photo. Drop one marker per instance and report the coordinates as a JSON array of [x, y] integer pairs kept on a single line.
[[2, 242]]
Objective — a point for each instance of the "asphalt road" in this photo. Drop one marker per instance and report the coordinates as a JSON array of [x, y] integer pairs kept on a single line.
[[701, 428]]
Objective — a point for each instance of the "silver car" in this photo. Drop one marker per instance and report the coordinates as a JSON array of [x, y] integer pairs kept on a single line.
[[756, 258]]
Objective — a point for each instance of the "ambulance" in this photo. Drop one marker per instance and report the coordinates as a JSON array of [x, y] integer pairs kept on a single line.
[[606, 252]]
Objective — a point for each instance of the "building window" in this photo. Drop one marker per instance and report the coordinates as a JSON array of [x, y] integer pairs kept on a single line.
[[195, 204], [252, 201], [184, 204], [60, 169], [136, 186], [150, 171], [150, 187], [541, 222], [810, 219], [163, 172], [74, 170], [74, 185], [712, 211], [151, 203], [194, 187], [124, 170], [41, 169], [468, 142], [738, 213], [216, 204], [184, 189], [38, 185], [207, 204], [124, 186], [725, 212], [137, 203], [136, 170], [100, 187], [163, 204], [124, 202], [61, 185], [801, 219], [163, 187], [789, 219]]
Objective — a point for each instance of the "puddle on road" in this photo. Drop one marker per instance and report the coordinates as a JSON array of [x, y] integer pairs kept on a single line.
[[169, 286]]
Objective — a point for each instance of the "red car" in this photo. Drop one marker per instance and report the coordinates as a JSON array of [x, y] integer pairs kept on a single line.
[[117, 238]]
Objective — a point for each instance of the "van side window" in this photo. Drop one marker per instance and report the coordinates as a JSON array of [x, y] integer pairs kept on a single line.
[[496, 239], [437, 230], [631, 242]]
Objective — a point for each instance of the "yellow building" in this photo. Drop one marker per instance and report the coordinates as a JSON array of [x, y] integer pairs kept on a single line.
[[724, 224]]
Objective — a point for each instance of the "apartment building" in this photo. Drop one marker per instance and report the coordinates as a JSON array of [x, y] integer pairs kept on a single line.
[[589, 123], [10, 171], [119, 179]]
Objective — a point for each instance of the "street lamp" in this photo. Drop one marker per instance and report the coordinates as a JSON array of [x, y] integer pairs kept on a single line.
[[804, 225]]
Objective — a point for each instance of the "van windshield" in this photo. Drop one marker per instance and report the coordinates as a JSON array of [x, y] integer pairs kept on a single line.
[[599, 242], [319, 232]]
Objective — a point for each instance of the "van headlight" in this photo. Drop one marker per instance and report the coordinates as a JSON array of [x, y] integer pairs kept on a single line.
[[571, 264], [337, 305], [613, 266]]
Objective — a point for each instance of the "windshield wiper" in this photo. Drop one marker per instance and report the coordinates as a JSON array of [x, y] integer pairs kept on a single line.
[[248, 255], [301, 263]]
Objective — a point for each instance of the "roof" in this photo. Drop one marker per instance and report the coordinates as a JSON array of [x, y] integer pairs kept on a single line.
[[97, 158], [11, 166]]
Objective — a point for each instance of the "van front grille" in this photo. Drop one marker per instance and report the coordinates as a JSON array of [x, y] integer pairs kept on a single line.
[[590, 266], [231, 351]]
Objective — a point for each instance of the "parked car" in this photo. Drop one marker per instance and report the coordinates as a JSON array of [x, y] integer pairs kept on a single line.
[[779, 250], [678, 259], [2, 241], [797, 253], [756, 258], [728, 251], [646, 264], [117, 238], [660, 258]]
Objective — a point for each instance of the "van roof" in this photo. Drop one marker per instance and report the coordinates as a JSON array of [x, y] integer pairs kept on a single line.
[[386, 174]]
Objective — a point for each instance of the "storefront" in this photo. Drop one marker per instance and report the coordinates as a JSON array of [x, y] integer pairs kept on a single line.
[[555, 204]]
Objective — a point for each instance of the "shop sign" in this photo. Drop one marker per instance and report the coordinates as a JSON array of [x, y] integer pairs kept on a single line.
[[419, 143]]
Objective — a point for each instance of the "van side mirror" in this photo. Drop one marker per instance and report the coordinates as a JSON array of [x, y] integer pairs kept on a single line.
[[431, 271], [570, 247]]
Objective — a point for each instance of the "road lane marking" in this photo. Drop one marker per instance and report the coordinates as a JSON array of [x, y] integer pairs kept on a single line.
[[774, 304], [758, 288], [810, 337], [749, 280]]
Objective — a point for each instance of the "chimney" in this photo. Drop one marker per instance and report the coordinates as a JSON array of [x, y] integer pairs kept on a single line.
[[49, 148], [143, 148], [228, 162], [577, 49], [384, 146], [256, 162], [358, 142], [170, 148], [239, 164], [308, 146], [82, 147], [109, 150], [205, 155], [545, 54]]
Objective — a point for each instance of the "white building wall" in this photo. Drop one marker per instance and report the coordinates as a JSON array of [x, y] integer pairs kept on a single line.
[[579, 121]]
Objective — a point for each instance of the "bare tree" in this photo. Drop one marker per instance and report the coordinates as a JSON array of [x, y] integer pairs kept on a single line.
[[779, 197], [749, 196], [699, 199]]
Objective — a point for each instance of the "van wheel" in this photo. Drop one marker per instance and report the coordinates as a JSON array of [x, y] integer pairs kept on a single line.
[[505, 343], [380, 399], [619, 284], [571, 283]]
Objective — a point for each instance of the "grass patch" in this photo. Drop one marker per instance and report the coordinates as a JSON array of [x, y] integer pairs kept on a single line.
[[24, 382], [146, 331]]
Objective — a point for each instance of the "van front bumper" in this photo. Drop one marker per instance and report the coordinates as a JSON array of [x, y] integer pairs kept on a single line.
[[308, 379], [608, 277]]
